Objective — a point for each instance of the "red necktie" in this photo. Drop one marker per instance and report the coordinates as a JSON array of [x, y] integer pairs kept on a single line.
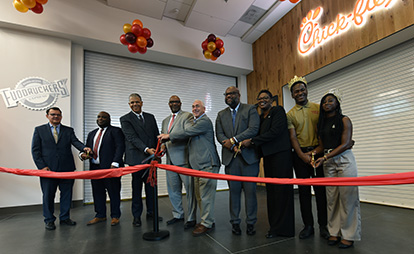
[[171, 123], [95, 147]]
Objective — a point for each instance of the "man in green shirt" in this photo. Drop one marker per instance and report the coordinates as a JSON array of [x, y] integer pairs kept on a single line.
[[302, 122]]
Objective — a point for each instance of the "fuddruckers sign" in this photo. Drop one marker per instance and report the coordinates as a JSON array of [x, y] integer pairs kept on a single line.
[[313, 35]]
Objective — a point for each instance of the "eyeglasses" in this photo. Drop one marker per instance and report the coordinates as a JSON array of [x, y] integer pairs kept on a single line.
[[230, 93], [59, 115], [263, 98]]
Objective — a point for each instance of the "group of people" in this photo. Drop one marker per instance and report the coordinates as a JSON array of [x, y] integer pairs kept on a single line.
[[315, 139]]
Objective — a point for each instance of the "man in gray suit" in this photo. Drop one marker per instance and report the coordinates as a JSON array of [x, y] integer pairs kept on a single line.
[[177, 155], [233, 125], [202, 156]]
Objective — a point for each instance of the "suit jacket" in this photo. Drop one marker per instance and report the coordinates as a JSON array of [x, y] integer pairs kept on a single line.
[[246, 126], [201, 147], [138, 136], [273, 135], [177, 151], [112, 146], [57, 156]]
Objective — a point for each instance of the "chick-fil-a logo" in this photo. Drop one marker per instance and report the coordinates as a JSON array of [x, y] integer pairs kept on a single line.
[[312, 35]]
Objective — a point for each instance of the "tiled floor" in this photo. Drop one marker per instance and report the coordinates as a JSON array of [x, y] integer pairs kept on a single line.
[[384, 230]]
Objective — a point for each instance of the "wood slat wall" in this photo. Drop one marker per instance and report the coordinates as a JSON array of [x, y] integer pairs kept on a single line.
[[276, 58]]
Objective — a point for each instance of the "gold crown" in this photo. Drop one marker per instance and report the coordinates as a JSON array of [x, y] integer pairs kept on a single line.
[[297, 79]]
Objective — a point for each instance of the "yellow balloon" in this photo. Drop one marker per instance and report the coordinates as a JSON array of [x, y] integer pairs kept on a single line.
[[211, 46], [207, 54], [19, 6], [29, 3], [127, 28]]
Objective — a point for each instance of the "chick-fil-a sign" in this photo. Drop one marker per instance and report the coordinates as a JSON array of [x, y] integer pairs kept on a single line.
[[313, 35]]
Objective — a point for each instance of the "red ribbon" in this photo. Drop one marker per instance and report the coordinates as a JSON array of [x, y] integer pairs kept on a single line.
[[389, 179]]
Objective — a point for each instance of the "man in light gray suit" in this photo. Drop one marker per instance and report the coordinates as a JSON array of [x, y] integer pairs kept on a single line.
[[177, 155], [233, 125], [202, 156]]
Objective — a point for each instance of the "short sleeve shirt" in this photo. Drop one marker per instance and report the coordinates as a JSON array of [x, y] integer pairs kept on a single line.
[[304, 119]]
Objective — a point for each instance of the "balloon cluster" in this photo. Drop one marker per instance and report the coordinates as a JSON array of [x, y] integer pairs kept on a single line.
[[136, 37], [35, 6], [212, 47]]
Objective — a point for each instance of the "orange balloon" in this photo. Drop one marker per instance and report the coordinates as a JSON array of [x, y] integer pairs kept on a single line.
[[127, 28], [29, 3], [211, 46], [138, 22], [141, 42], [41, 1], [207, 54], [213, 58], [222, 50], [19, 6]]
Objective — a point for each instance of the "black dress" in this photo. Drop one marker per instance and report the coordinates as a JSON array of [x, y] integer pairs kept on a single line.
[[274, 146]]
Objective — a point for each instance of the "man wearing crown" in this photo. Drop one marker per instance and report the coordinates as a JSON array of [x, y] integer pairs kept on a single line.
[[302, 122]]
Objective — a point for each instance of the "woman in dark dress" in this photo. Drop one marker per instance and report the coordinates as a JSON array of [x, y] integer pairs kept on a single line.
[[273, 144], [335, 140]]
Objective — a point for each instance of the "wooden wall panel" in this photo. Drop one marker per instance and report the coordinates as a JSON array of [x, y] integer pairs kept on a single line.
[[276, 58]]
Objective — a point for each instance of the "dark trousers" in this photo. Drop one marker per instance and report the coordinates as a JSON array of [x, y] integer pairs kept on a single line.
[[239, 167], [280, 202], [305, 170], [99, 188], [49, 187], [138, 179]]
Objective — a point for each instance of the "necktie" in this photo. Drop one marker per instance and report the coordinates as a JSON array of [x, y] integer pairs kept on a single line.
[[55, 134], [141, 119], [171, 123], [95, 147], [233, 116]]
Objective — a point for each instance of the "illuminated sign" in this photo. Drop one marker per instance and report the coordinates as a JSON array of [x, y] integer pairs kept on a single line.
[[313, 35]]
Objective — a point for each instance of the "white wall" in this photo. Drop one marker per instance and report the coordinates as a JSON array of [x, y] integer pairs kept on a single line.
[[28, 55]]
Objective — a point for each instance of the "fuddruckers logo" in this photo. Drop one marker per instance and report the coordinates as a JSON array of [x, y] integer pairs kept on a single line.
[[35, 93]]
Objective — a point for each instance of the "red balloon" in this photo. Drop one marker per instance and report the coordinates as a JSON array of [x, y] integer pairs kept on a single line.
[[38, 8], [211, 37], [130, 37], [146, 33], [216, 53], [219, 43], [150, 43], [142, 50], [123, 40], [133, 48], [136, 29], [204, 44]]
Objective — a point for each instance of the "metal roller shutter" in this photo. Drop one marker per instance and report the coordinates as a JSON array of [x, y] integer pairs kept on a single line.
[[109, 80], [379, 99]]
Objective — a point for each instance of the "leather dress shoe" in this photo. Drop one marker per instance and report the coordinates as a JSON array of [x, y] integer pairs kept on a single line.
[[306, 232], [323, 232], [236, 229], [189, 224], [136, 222], [95, 220], [201, 230], [333, 240], [270, 235], [250, 229], [150, 216], [174, 220], [343, 245], [50, 226], [114, 221], [68, 222]]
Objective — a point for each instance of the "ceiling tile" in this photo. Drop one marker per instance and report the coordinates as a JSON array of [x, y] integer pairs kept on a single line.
[[264, 4], [208, 24], [230, 11], [176, 10], [150, 8], [240, 28]]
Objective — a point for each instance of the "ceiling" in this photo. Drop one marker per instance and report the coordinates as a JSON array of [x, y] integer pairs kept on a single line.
[[247, 19]]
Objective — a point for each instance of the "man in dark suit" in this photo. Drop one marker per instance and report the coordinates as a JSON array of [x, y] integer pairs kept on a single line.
[[51, 151], [141, 131], [233, 125], [108, 144], [202, 156]]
